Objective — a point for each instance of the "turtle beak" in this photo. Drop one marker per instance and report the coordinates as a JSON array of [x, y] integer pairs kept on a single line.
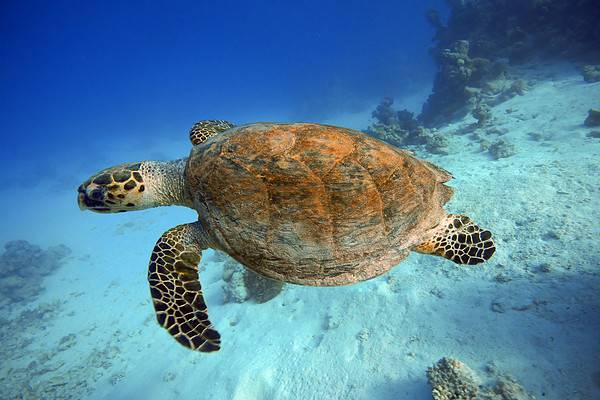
[[91, 199], [81, 198], [80, 202]]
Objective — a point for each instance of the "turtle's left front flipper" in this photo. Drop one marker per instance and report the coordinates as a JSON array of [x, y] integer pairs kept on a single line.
[[176, 291]]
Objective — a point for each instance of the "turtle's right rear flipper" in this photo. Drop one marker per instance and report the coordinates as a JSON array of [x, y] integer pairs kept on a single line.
[[176, 291], [459, 239]]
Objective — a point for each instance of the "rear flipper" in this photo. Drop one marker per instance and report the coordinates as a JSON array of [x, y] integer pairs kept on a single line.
[[459, 239]]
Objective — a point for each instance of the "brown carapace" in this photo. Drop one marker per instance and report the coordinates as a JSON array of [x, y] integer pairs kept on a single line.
[[302, 203]]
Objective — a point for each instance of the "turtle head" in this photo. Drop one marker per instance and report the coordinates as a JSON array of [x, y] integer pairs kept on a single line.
[[133, 186], [115, 189]]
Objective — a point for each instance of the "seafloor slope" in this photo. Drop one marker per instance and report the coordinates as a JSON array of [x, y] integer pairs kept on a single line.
[[533, 312]]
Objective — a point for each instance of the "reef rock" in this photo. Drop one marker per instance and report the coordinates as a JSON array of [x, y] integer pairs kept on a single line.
[[502, 149], [591, 73], [594, 134], [472, 48], [505, 388], [523, 30], [482, 114], [400, 128], [450, 379], [463, 82], [23, 267], [593, 118]]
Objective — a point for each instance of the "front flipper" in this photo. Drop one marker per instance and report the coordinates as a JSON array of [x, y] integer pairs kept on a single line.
[[202, 130], [459, 239], [176, 291]]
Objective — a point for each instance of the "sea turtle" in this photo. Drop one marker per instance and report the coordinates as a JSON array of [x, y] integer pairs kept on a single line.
[[301, 203]]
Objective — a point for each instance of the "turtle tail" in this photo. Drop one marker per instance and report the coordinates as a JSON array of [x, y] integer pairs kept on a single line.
[[459, 239]]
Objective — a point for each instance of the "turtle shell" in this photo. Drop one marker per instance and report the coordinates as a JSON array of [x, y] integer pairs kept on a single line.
[[313, 204]]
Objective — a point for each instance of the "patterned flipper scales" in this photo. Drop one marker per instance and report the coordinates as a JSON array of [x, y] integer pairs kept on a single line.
[[202, 130], [461, 240], [176, 291]]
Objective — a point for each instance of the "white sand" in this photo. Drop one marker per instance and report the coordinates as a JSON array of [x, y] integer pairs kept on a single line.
[[373, 340]]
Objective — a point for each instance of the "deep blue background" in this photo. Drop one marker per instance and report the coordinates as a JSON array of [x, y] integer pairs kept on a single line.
[[75, 74]]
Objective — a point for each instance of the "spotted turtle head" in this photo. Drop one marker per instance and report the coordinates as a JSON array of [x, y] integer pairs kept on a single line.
[[116, 189]]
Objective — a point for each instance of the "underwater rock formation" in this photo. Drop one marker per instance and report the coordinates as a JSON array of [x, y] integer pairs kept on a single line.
[[593, 118], [523, 30], [23, 267], [63, 369], [505, 388], [457, 82], [400, 128], [594, 134], [243, 284], [451, 379], [501, 149], [480, 36], [482, 114], [591, 73], [463, 83]]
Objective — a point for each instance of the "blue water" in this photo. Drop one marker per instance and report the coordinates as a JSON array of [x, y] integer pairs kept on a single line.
[[88, 85], [78, 74]]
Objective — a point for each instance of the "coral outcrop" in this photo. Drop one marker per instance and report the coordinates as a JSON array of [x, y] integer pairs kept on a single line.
[[505, 388], [465, 83], [23, 267], [594, 134], [451, 379], [482, 114], [482, 37], [457, 83], [593, 118], [401, 129], [63, 369], [502, 149], [591, 73], [523, 30]]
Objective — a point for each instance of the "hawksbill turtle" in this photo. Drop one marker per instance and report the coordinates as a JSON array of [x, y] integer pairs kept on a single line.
[[301, 203]]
